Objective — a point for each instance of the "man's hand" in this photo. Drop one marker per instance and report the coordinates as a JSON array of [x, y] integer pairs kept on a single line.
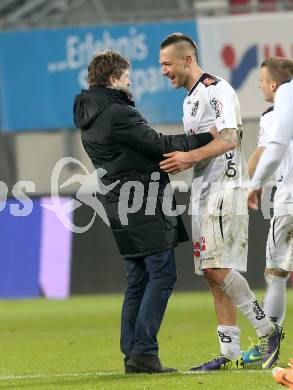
[[213, 130], [222, 142], [253, 198], [176, 162]]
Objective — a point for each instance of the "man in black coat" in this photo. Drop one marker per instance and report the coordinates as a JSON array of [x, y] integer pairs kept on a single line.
[[141, 208]]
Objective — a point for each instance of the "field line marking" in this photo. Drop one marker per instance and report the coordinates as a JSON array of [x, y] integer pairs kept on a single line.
[[84, 374]]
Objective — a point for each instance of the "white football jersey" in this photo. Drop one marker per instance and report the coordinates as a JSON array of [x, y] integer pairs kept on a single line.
[[266, 124], [212, 102], [283, 134]]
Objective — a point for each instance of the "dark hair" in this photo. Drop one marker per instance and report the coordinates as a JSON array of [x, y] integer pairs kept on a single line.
[[280, 69], [176, 38], [105, 64]]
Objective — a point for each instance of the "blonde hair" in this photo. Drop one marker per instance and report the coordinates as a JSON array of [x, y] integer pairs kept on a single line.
[[280, 69]]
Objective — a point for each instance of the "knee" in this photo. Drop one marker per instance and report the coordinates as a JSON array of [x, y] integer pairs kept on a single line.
[[175, 277], [172, 278], [209, 274], [167, 279], [163, 273], [214, 276]]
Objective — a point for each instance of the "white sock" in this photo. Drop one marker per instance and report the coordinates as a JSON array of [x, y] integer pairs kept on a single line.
[[229, 339], [237, 288], [275, 297]]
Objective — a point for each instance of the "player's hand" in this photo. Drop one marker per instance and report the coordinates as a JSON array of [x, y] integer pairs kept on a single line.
[[176, 162], [253, 198], [213, 130]]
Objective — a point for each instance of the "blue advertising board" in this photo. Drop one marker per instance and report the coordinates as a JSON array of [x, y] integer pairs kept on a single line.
[[20, 251], [42, 70]]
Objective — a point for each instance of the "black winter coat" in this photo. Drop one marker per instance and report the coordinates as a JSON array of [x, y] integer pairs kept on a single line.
[[118, 139]]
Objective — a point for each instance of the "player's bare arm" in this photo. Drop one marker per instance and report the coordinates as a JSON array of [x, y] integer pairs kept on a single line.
[[254, 159], [176, 162]]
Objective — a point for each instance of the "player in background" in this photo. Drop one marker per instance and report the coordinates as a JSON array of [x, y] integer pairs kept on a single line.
[[220, 216], [273, 72], [279, 153]]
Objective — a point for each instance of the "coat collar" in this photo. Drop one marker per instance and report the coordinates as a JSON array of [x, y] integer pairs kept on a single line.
[[114, 94]]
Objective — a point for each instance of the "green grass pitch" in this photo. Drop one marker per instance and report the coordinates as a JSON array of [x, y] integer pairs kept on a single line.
[[74, 344]]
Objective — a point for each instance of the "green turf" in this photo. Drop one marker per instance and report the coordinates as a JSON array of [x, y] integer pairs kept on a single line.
[[74, 344]]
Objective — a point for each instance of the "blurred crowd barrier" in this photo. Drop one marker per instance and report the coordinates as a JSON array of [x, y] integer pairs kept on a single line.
[[42, 70], [42, 255]]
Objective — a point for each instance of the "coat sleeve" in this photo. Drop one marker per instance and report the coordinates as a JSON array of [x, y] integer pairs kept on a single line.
[[132, 131]]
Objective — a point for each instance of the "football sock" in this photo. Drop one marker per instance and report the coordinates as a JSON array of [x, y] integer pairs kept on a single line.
[[229, 339], [275, 297], [237, 288]]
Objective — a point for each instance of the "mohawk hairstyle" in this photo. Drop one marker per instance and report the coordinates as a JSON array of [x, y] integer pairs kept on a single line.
[[176, 38]]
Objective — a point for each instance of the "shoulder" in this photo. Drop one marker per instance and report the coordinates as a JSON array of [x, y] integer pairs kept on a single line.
[[207, 80], [123, 109], [125, 114], [285, 88], [268, 111], [284, 96], [218, 86], [286, 81], [266, 126], [266, 122]]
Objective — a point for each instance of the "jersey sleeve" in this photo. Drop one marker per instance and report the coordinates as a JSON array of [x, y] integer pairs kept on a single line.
[[283, 129], [224, 104]]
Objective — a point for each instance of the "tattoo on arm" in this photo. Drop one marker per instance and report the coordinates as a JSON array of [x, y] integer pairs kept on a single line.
[[229, 135]]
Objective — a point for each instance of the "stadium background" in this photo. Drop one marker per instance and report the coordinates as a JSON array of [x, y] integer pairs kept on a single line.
[[44, 51]]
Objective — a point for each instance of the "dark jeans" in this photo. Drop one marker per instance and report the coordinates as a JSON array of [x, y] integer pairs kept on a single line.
[[150, 281]]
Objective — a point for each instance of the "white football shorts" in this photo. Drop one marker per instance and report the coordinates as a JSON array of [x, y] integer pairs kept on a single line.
[[279, 251], [220, 230]]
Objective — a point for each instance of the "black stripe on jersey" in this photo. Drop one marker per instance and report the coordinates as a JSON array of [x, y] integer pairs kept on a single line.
[[274, 231], [221, 219], [268, 110], [207, 79], [286, 81]]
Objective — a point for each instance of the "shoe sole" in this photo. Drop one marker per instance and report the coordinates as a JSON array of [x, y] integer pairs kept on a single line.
[[231, 365], [137, 368]]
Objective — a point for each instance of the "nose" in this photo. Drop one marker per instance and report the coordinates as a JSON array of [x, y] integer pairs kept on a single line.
[[164, 70]]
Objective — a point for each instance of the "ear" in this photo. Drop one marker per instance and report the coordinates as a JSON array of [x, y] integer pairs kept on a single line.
[[274, 86], [188, 60], [112, 80]]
